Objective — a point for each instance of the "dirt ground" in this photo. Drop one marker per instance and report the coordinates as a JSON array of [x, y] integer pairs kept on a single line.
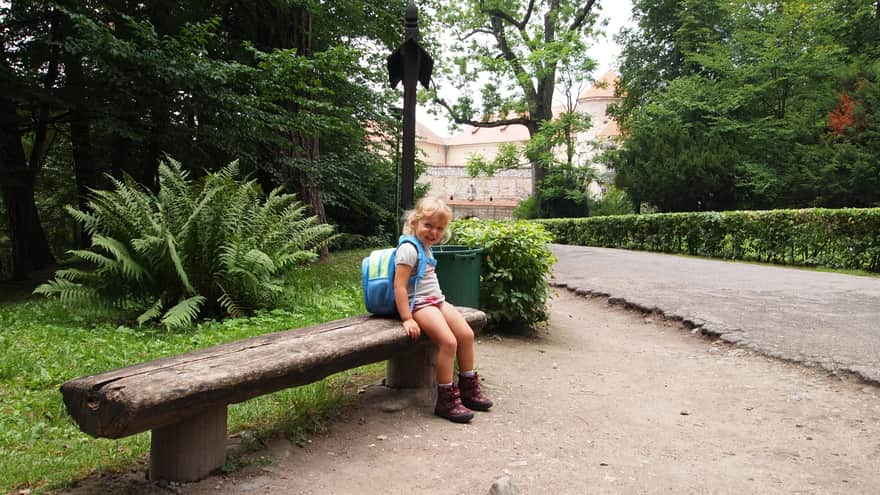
[[606, 401]]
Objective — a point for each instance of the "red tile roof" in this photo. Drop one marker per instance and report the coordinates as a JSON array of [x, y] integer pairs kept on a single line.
[[602, 88], [477, 135], [427, 135]]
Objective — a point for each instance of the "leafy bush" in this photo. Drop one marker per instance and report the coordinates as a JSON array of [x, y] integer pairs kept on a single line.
[[527, 209], [562, 195], [211, 247], [842, 238], [613, 202], [514, 284], [345, 241]]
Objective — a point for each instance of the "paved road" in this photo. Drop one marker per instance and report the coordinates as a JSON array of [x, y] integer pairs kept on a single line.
[[816, 318]]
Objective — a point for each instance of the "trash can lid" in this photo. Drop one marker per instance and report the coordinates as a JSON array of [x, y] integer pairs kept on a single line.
[[448, 248]]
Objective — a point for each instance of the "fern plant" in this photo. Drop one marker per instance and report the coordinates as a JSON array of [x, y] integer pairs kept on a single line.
[[212, 247]]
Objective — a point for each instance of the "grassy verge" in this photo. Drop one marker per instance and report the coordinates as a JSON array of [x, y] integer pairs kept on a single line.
[[43, 344]]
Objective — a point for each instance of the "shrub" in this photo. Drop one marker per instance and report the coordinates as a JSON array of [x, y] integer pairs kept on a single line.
[[842, 238], [562, 195], [347, 241], [527, 209], [211, 247], [613, 202], [514, 285]]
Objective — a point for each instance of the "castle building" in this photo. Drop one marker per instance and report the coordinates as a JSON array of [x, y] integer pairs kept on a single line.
[[495, 197]]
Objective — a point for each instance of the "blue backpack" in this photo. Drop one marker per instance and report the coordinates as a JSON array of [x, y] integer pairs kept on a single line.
[[377, 276]]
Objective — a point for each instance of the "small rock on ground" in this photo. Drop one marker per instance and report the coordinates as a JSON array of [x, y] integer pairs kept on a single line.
[[503, 486]]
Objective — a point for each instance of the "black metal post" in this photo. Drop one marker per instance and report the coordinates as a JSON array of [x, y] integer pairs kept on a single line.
[[411, 64]]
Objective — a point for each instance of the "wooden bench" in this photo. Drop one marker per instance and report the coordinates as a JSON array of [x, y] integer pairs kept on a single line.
[[183, 399]]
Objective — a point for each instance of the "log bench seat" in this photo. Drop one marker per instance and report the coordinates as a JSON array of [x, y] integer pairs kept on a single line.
[[183, 399]]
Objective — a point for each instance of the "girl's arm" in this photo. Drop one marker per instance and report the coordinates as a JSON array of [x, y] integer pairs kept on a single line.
[[401, 300]]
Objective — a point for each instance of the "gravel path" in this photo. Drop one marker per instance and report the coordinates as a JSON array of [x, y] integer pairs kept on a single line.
[[605, 401]]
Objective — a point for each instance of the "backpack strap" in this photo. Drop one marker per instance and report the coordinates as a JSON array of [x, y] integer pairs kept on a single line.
[[424, 261]]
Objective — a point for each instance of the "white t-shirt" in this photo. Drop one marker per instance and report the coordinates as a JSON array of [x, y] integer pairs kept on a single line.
[[428, 287]]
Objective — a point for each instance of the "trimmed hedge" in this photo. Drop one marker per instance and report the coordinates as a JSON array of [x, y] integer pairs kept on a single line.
[[517, 263], [841, 238]]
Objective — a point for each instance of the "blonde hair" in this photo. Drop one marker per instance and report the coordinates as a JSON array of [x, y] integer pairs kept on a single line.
[[427, 207]]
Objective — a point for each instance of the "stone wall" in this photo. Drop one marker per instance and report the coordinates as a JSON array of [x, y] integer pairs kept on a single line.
[[454, 182], [485, 210]]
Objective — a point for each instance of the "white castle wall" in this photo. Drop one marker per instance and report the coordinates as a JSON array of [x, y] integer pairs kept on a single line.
[[448, 177]]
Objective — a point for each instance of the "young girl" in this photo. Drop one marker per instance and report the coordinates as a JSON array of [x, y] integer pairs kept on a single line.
[[431, 314]]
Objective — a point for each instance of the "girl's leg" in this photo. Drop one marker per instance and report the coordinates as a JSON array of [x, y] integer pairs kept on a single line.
[[464, 336], [468, 382], [449, 405], [432, 322]]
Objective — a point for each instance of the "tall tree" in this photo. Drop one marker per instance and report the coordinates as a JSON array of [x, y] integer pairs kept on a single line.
[[333, 106], [748, 110], [520, 46], [650, 53], [30, 61], [113, 85]]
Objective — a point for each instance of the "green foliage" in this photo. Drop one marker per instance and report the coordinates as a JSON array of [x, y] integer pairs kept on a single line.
[[844, 238], [562, 195], [563, 192], [509, 156], [537, 39], [614, 202], [740, 105], [213, 247], [46, 342], [514, 286], [359, 192], [559, 135], [527, 209], [513, 55], [113, 85], [676, 165]]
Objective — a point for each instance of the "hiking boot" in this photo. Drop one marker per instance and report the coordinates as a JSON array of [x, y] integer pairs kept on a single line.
[[471, 394], [449, 405]]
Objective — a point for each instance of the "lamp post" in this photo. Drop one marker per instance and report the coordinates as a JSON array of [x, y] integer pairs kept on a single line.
[[410, 63]]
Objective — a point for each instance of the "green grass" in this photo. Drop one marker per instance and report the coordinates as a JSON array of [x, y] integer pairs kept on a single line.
[[43, 344]]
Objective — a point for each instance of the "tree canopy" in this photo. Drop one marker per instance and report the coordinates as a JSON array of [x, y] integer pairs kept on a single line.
[[108, 88], [749, 104], [513, 54]]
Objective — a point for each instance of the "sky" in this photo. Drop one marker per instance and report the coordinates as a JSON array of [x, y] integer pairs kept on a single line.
[[605, 52]]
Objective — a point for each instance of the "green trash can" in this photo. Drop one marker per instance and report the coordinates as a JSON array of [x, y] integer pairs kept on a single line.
[[458, 269]]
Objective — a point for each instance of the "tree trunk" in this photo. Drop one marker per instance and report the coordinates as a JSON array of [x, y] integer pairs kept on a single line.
[[539, 172], [306, 147], [119, 156], [85, 170], [30, 250], [159, 116], [160, 108]]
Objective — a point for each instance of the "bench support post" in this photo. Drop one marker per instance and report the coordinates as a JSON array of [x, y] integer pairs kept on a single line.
[[414, 369], [189, 450]]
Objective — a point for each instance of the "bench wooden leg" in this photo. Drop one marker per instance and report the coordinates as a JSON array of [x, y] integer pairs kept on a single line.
[[191, 449], [414, 369]]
